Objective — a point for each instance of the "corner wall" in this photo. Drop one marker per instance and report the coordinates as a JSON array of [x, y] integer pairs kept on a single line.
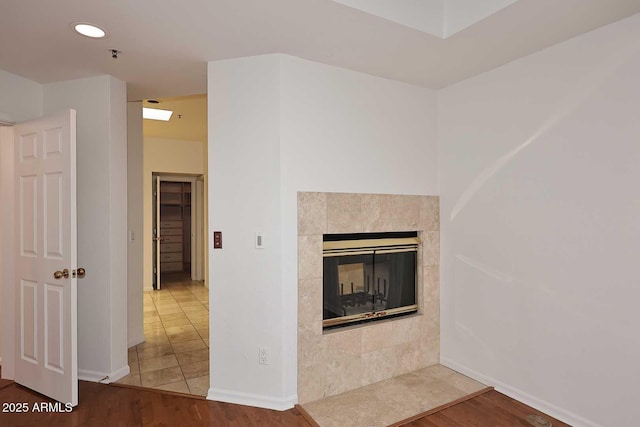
[[279, 125], [540, 235]]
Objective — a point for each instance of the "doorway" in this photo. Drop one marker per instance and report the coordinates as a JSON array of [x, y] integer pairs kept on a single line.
[[172, 351], [177, 224]]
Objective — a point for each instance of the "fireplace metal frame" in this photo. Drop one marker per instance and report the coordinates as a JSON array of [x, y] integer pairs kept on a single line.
[[363, 245]]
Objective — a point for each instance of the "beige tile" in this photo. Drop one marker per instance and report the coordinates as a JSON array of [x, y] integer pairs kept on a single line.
[[153, 352], [132, 355], [157, 363], [344, 213], [386, 402], [178, 387], [309, 300], [169, 310], [196, 369], [176, 322], [200, 325], [134, 367], [430, 248], [154, 340], [430, 213], [184, 336], [193, 356], [162, 376], [154, 333], [199, 386], [194, 308], [150, 326], [312, 213], [206, 341], [343, 374], [203, 332], [172, 316], [406, 211], [377, 212], [311, 385], [309, 256], [174, 330], [131, 379], [201, 312], [199, 319], [151, 318], [180, 347], [186, 299]]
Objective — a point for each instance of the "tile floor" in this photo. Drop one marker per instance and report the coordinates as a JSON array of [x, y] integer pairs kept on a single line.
[[393, 400], [175, 354]]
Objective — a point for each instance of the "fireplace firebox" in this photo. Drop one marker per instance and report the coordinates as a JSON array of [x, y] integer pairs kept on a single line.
[[368, 276]]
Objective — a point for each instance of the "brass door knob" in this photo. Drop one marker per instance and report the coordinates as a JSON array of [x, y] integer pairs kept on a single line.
[[81, 272], [60, 274]]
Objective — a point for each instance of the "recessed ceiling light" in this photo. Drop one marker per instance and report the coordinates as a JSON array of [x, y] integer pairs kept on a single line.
[[89, 30], [156, 114]]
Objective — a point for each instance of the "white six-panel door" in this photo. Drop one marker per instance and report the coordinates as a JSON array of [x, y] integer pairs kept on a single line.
[[46, 256]]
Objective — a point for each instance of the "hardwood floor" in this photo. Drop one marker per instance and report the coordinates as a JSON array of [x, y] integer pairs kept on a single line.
[[491, 409], [108, 405]]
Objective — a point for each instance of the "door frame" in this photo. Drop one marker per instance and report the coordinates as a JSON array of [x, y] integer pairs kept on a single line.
[[197, 261]]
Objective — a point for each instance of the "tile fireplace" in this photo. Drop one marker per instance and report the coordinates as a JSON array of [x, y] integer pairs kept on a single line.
[[332, 361]]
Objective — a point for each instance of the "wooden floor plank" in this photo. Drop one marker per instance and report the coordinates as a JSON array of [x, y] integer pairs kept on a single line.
[[491, 409], [104, 405]]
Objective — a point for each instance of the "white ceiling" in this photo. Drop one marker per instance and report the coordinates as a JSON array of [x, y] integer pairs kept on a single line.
[[166, 44], [441, 18]]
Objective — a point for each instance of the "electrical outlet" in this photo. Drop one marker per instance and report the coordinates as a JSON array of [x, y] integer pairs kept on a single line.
[[264, 356]]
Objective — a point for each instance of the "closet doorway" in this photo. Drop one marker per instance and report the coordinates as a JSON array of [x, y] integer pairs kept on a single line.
[[177, 229]]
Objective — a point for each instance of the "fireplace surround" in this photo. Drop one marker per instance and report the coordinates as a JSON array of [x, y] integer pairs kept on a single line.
[[334, 361]]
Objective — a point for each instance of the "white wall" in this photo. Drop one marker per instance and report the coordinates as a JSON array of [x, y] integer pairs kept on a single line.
[[21, 98], [540, 231], [244, 194], [279, 125], [170, 156], [135, 214], [102, 217]]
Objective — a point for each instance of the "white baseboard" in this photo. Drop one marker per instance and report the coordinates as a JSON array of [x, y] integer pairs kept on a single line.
[[147, 289], [517, 394], [249, 399], [103, 377]]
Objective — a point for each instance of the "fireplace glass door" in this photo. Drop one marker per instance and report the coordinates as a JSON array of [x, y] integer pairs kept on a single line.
[[365, 279]]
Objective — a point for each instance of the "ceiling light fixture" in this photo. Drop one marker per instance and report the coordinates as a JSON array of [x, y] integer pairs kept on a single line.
[[156, 114], [89, 30]]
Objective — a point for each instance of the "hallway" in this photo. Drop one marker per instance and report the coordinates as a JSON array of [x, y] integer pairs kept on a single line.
[[175, 354]]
